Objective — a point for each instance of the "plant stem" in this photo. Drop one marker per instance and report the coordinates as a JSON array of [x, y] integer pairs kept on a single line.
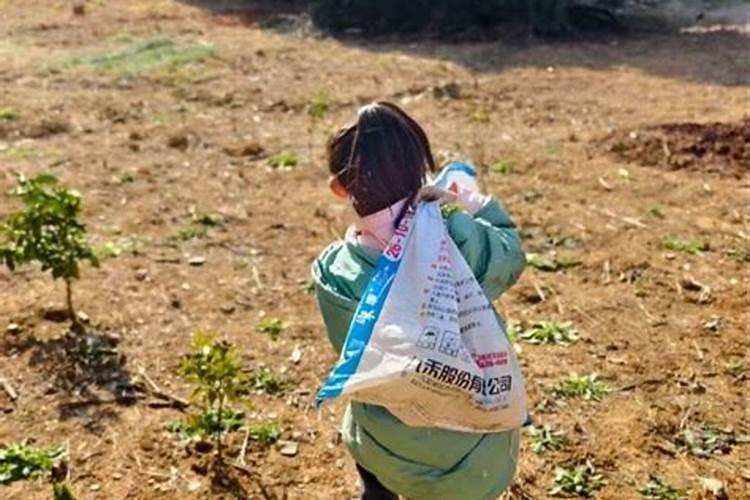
[[219, 450], [69, 301]]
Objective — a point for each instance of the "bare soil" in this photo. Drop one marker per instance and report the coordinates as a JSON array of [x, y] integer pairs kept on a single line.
[[666, 330]]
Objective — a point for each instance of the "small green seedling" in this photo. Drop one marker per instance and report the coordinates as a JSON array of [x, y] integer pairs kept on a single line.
[[319, 106], [709, 440], [47, 231], [214, 371], [114, 249], [273, 327], [581, 386], [266, 433], [284, 160], [551, 263], [62, 491], [126, 179], [264, 380], [20, 461], [502, 167], [544, 439], [550, 332], [657, 489], [582, 481], [206, 425], [685, 246], [8, 115], [188, 233]]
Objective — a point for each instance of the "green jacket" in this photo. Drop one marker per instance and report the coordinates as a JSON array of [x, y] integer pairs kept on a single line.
[[419, 462]]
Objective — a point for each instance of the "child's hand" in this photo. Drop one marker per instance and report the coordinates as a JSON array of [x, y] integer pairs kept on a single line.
[[432, 193], [469, 200]]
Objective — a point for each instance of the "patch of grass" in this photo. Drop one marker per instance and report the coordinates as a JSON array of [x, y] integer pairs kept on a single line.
[[741, 255], [146, 56], [126, 179], [20, 461], [188, 233], [266, 433], [544, 439], [657, 489], [206, 424], [709, 440], [319, 106], [582, 481], [284, 160], [8, 115], [550, 332], [264, 380], [502, 167], [113, 249], [273, 327], [549, 263], [581, 386], [18, 153], [686, 246]]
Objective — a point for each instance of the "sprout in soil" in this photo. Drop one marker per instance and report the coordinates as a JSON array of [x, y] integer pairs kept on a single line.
[[48, 231]]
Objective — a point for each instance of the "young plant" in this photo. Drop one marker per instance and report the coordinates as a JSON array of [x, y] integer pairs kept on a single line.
[[8, 115], [206, 425], [284, 160], [273, 327], [264, 380], [657, 489], [582, 481], [545, 439], [213, 369], [266, 433], [550, 332], [685, 246], [502, 167], [709, 440], [581, 386], [551, 263], [20, 461], [47, 231]]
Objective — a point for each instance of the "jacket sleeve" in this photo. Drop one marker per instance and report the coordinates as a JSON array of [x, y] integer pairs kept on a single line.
[[491, 246]]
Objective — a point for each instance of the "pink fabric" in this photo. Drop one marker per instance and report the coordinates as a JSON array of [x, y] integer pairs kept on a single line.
[[376, 230]]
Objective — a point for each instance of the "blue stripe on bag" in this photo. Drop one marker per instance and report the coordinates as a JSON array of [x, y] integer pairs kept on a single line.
[[367, 313], [453, 167]]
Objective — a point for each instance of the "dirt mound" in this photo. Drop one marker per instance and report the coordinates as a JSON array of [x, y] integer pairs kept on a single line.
[[716, 146]]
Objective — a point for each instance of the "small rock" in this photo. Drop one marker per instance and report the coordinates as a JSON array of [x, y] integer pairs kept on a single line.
[[13, 329], [227, 308], [297, 435], [296, 355], [95, 487], [251, 150], [194, 486], [715, 487], [117, 476], [141, 274], [713, 325], [197, 261], [83, 318], [288, 448]]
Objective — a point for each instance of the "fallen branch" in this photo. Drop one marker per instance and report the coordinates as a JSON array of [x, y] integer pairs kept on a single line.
[[9, 390], [176, 401]]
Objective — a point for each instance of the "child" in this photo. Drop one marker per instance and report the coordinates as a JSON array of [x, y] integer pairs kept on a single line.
[[381, 164]]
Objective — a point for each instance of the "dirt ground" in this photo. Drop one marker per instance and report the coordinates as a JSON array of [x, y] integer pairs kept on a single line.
[[666, 330]]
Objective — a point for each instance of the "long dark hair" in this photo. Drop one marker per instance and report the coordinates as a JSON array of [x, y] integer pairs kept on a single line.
[[383, 158]]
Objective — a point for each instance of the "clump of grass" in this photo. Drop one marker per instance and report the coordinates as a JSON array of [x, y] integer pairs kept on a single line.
[[266, 433], [204, 425], [657, 489], [551, 263], [709, 440], [20, 461], [502, 167], [284, 160], [188, 233], [581, 386], [582, 481], [319, 106], [18, 153], [146, 56], [126, 179], [544, 439], [264, 380], [8, 115], [686, 246], [113, 249], [273, 327], [550, 332]]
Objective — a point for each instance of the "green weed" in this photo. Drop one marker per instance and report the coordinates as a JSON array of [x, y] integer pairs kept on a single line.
[[8, 115], [686, 246], [545, 439], [206, 424], [581, 386], [273, 327], [284, 160], [20, 461], [188, 233], [264, 380], [319, 106], [113, 249], [18, 153], [657, 489], [551, 263], [147, 56], [266, 433], [550, 332], [709, 440], [502, 167], [582, 481]]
